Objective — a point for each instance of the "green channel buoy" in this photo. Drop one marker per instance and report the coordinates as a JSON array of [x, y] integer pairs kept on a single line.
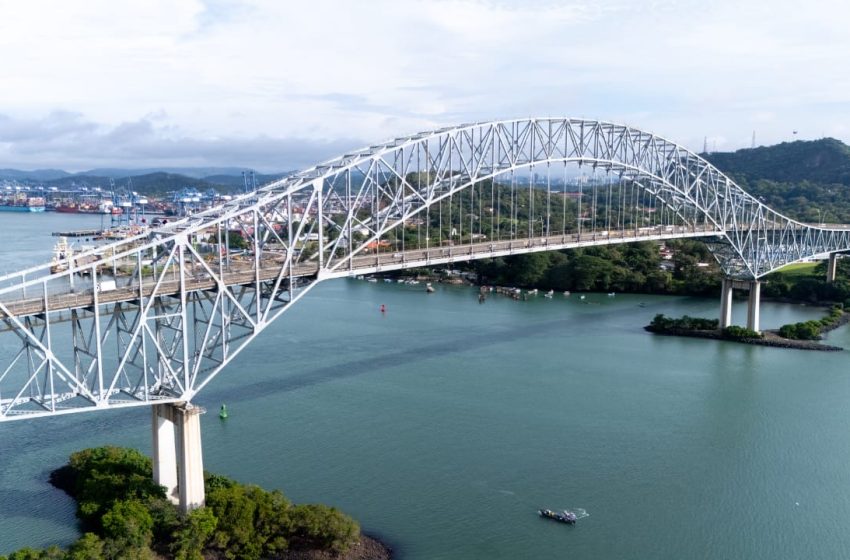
[[223, 412]]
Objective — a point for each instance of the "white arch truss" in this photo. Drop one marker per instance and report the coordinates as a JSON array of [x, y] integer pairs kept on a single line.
[[154, 317]]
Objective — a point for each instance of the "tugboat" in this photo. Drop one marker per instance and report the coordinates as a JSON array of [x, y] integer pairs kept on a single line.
[[567, 517]]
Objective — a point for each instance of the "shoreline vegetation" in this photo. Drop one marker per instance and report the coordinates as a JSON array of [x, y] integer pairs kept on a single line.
[[680, 267], [124, 514]]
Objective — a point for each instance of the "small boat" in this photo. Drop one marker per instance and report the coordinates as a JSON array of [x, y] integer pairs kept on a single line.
[[612, 294], [223, 412], [567, 517], [567, 293], [429, 288], [549, 294], [62, 254], [581, 297], [532, 292], [373, 280]]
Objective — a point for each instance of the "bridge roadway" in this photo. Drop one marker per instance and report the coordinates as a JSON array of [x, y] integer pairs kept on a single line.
[[243, 274]]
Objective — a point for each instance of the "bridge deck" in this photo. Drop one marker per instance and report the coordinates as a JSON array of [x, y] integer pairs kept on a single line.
[[243, 274]]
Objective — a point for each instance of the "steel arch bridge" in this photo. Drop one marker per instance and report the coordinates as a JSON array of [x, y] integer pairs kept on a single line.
[[153, 318]]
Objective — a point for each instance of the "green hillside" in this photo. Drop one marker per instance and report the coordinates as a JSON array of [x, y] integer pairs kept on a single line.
[[806, 180], [819, 161]]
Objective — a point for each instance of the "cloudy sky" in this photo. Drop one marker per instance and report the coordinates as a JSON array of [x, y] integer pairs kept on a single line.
[[282, 84]]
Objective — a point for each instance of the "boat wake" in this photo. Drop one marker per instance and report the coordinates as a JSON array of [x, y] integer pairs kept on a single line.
[[578, 512]]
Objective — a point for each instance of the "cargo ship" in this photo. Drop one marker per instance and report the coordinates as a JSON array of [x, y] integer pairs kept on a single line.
[[33, 204], [84, 208]]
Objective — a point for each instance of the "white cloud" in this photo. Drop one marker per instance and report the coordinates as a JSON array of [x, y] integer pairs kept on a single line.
[[221, 73]]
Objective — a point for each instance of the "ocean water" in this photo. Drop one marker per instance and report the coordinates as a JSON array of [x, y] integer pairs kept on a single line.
[[443, 424]]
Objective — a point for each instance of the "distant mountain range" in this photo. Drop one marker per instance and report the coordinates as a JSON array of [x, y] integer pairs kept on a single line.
[[802, 178], [34, 175], [149, 181]]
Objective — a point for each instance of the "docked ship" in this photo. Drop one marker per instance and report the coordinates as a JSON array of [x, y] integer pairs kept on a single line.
[[69, 208], [32, 204], [84, 208]]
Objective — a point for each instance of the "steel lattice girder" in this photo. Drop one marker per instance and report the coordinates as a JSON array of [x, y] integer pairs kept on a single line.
[[177, 316]]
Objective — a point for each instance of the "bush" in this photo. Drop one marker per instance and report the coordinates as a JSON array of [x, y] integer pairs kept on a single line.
[[252, 523], [323, 527], [193, 535], [128, 528], [103, 475], [663, 324], [52, 553], [735, 332], [812, 330], [88, 547]]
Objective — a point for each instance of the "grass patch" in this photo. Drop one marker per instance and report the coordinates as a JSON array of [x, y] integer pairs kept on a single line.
[[799, 270]]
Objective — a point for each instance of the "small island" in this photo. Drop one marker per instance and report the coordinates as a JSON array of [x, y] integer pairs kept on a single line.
[[803, 336], [124, 514]]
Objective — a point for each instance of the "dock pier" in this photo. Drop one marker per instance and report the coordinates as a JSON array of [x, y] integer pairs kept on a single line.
[[78, 233]]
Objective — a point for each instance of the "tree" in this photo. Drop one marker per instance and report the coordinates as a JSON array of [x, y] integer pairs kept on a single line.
[[251, 522], [26, 554], [529, 269], [194, 534], [323, 527], [87, 547], [103, 475], [236, 240], [234, 533], [128, 526]]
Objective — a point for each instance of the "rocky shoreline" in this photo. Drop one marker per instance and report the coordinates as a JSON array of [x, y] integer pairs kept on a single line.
[[770, 339], [369, 548]]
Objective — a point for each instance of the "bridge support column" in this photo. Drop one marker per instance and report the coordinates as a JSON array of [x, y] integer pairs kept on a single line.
[[832, 267], [177, 459], [725, 303], [753, 306]]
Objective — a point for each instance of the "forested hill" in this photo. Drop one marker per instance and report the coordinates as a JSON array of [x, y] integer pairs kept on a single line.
[[819, 161], [806, 180]]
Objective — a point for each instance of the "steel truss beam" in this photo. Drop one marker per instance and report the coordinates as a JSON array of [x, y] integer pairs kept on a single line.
[[154, 318]]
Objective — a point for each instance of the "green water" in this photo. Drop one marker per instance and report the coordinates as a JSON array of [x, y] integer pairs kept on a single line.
[[444, 424]]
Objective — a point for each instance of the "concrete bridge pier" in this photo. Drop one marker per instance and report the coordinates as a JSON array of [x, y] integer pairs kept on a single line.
[[753, 310], [177, 459], [832, 267], [727, 288], [725, 302]]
